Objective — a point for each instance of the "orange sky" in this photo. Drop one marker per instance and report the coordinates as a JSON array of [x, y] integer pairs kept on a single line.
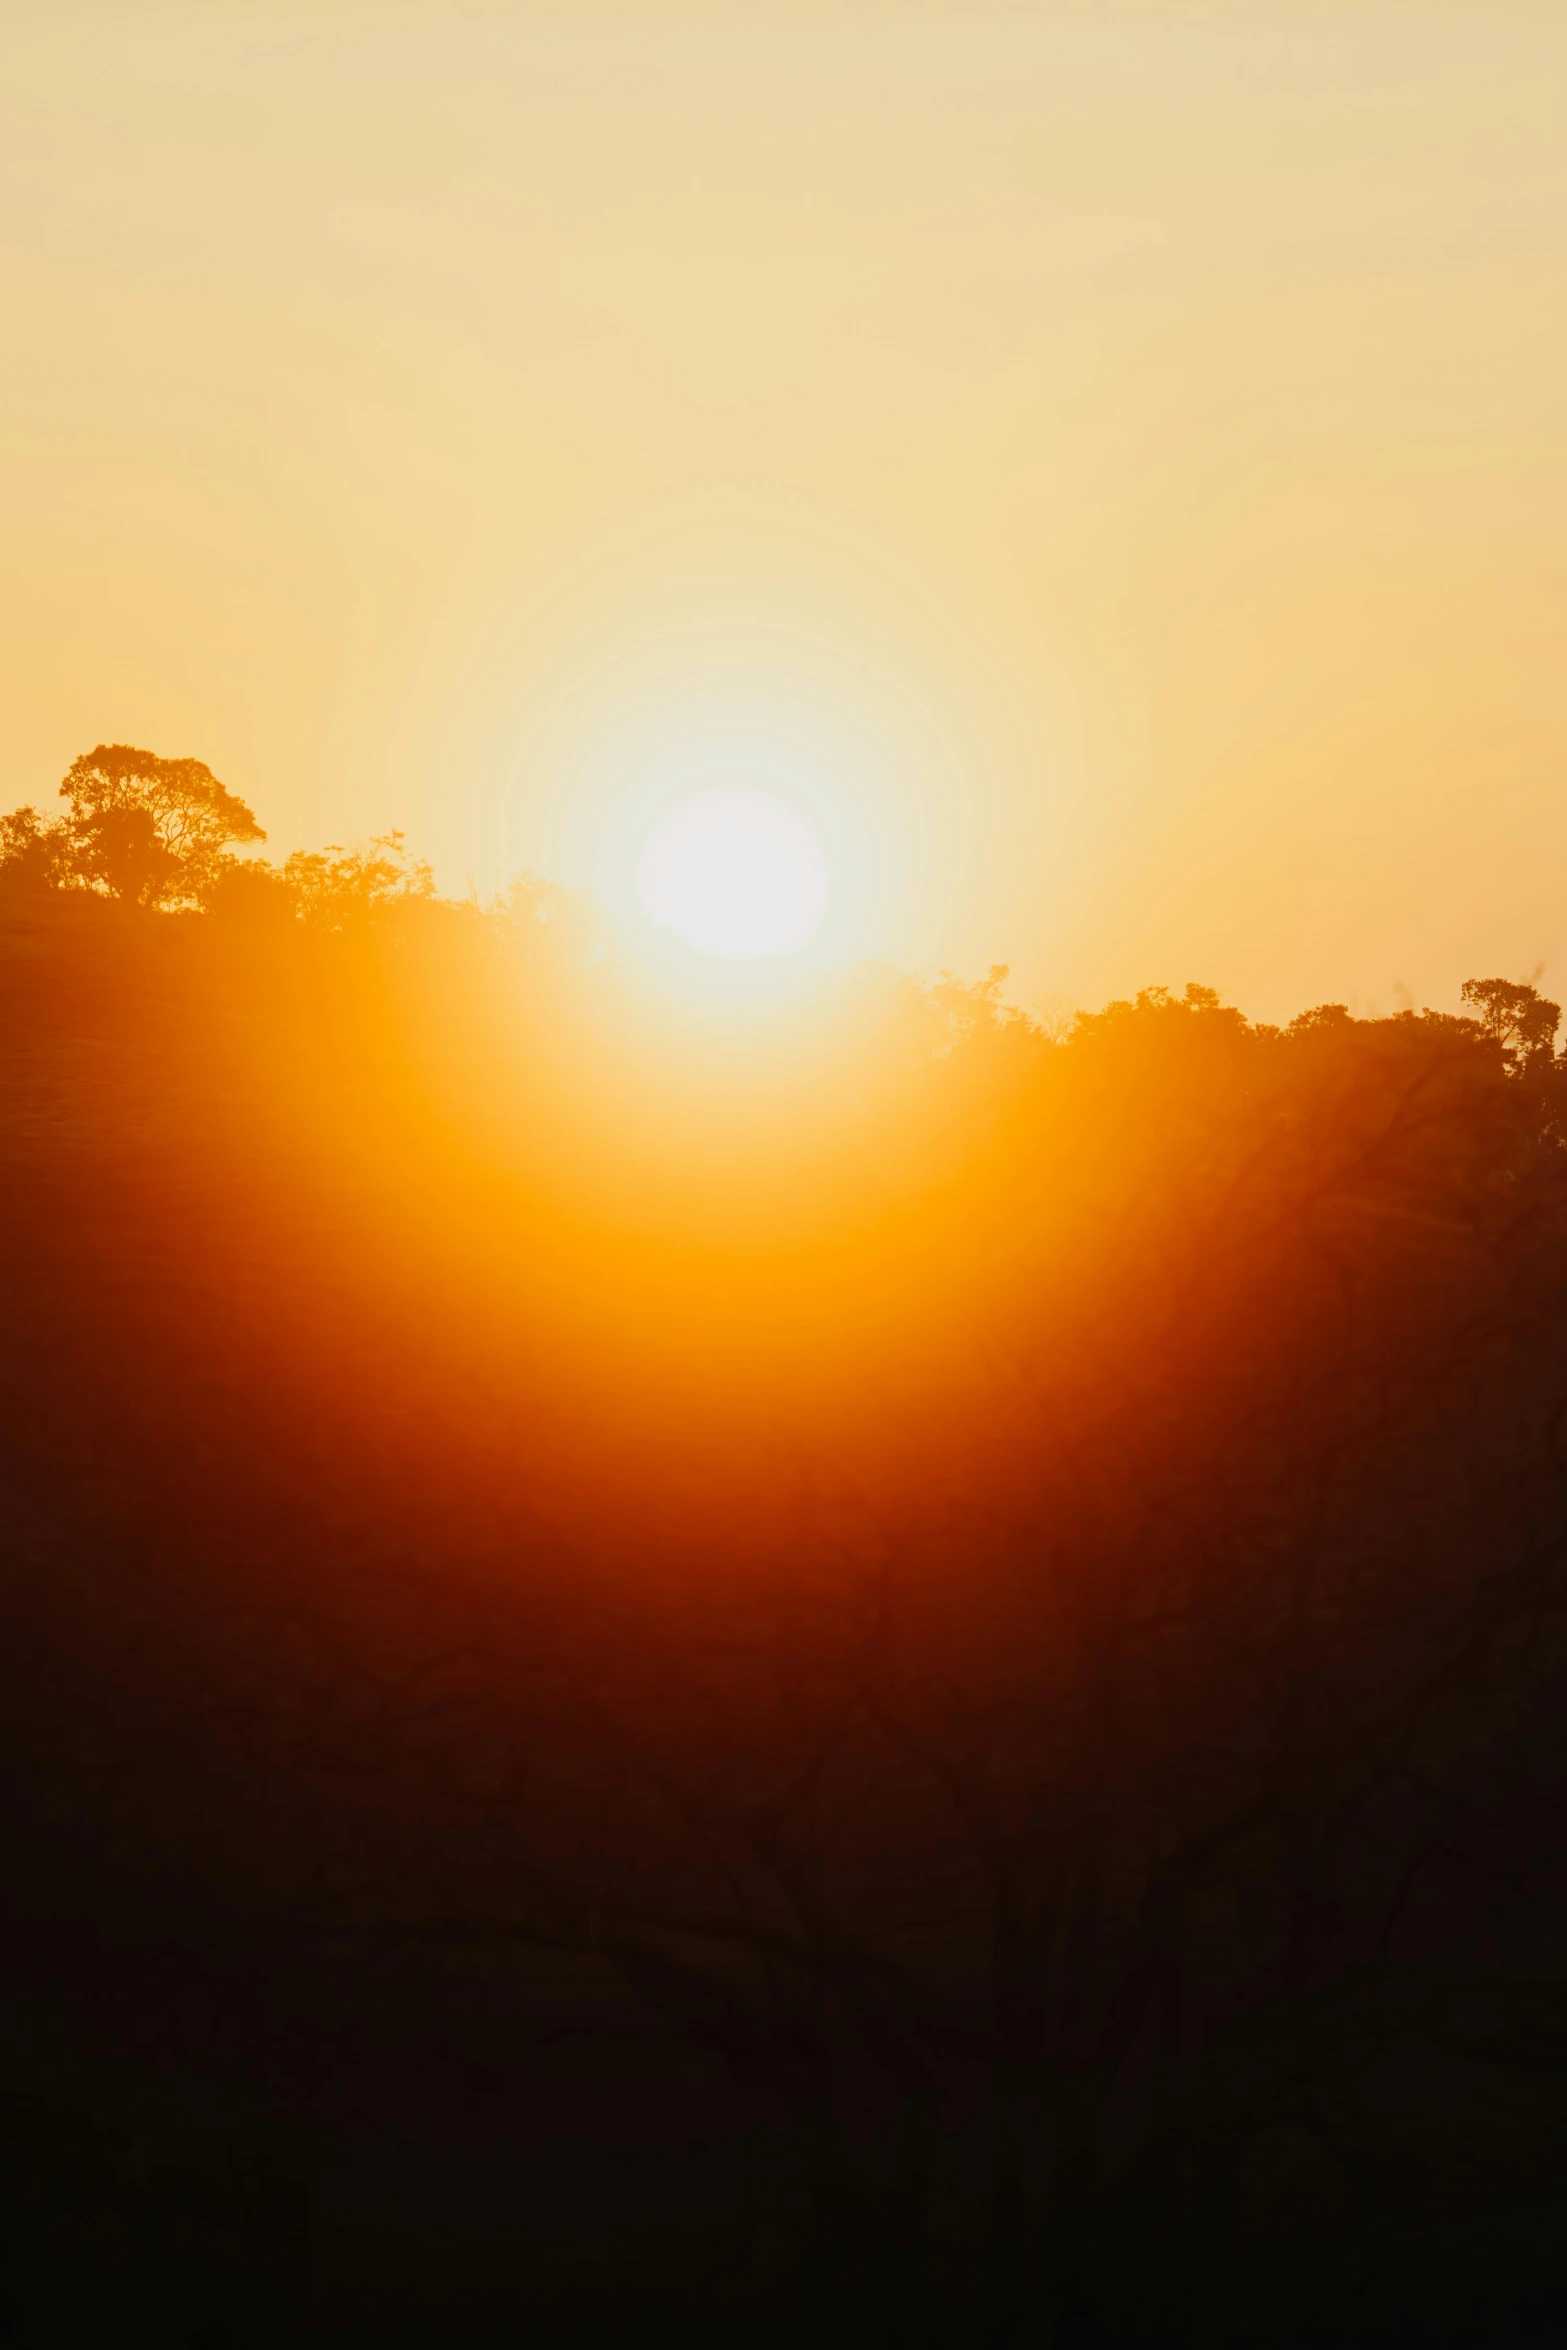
[[1110, 457]]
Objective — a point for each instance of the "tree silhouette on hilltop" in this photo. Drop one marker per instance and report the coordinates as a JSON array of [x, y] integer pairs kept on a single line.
[[151, 831]]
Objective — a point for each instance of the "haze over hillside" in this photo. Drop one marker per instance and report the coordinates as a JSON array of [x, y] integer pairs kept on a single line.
[[846, 1672]]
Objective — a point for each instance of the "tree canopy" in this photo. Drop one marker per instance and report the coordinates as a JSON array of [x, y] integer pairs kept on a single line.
[[159, 834], [150, 830]]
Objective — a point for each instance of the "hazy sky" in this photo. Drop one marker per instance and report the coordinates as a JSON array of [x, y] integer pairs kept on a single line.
[[1110, 460]]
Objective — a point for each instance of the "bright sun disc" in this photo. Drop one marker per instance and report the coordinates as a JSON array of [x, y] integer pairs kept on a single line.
[[736, 873]]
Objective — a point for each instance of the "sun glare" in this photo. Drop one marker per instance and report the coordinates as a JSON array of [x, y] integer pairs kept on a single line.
[[736, 873]]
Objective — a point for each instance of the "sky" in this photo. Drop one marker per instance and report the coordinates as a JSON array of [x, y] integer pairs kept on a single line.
[[1104, 462]]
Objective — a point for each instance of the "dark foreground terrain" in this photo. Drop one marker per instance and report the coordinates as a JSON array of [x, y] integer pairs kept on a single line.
[[948, 1733]]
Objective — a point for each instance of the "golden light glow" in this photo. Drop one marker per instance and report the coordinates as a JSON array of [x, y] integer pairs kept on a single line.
[[736, 874], [1078, 477]]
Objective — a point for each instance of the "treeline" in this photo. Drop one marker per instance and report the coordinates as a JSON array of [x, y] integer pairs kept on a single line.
[[888, 1681], [161, 834]]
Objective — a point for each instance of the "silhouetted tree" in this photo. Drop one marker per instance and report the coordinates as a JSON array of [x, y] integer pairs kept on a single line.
[[147, 829], [34, 855], [151, 831], [1521, 1020]]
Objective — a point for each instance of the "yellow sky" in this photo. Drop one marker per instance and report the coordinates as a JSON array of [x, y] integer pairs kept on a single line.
[[1113, 457]]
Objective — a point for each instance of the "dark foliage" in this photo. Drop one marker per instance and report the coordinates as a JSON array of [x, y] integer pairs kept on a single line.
[[967, 1752]]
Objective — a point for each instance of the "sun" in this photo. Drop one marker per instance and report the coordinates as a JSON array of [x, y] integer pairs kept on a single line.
[[736, 873]]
